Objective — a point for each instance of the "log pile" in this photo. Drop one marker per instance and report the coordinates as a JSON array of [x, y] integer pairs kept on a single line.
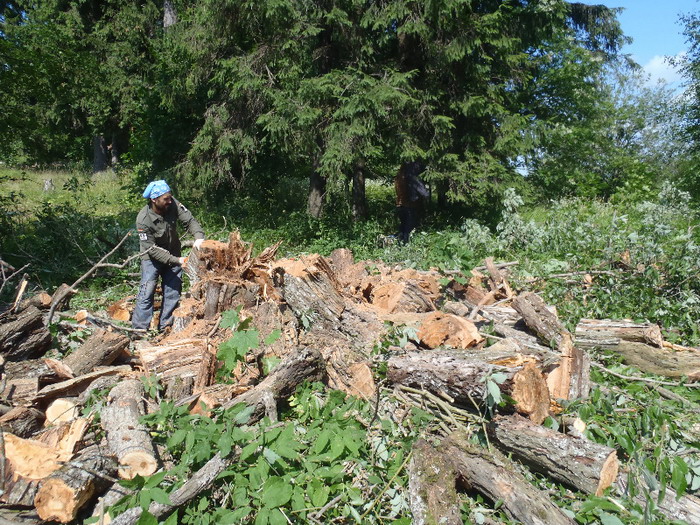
[[473, 340]]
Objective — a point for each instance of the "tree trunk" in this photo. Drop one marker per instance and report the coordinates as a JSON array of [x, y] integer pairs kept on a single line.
[[431, 487], [571, 379], [23, 335], [578, 463], [99, 154], [101, 348], [128, 439], [317, 194], [640, 345], [359, 198], [463, 375], [169, 14], [68, 489], [495, 477]]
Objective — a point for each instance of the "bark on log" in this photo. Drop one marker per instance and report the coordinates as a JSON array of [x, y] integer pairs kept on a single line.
[[174, 360], [32, 368], [640, 345], [100, 349], [128, 439], [21, 391], [495, 477], [22, 421], [462, 376], [23, 335], [304, 365], [685, 509], [578, 463], [498, 282], [68, 489], [20, 517], [76, 385], [60, 299], [431, 486], [571, 379]]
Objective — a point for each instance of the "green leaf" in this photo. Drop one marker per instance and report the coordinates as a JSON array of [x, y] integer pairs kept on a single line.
[[319, 493], [276, 492], [274, 336], [154, 480], [271, 456], [609, 519], [172, 519], [277, 518], [494, 391], [230, 318], [147, 518], [160, 496]]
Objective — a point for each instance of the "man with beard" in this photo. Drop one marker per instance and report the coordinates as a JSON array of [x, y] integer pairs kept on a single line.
[[161, 253]]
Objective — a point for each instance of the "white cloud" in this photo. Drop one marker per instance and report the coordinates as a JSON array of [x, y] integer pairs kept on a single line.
[[661, 68]]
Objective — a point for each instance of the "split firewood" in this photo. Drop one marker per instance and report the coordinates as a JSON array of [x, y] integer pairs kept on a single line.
[[70, 488], [571, 379], [498, 281], [76, 385], [22, 421], [578, 463], [441, 329], [494, 476], [177, 359], [62, 410], [462, 376], [431, 487], [45, 370], [66, 437], [640, 345], [23, 335], [128, 439], [21, 391], [306, 364], [100, 349]]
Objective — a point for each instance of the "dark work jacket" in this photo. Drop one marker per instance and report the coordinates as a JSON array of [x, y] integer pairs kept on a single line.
[[158, 234]]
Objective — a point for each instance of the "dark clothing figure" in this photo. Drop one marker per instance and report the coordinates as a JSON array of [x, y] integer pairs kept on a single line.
[[410, 191], [157, 228]]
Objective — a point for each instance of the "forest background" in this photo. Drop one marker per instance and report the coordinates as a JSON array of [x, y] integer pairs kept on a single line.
[[288, 120]]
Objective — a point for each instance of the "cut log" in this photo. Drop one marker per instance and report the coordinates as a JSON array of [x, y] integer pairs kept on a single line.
[[22, 421], [72, 486], [492, 475], [578, 463], [462, 375], [684, 509], [640, 345], [101, 348], [41, 300], [571, 379], [406, 296], [498, 281], [60, 300], [431, 487], [62, 410], [128, 439], [121, 310], [21, 391], [440, 329], [32, 368], [23, 335], [306, 364]]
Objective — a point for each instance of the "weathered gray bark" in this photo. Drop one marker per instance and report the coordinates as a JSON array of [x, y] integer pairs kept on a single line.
[[23, 335], [99, 154], [359, 198], [578, 463], [22, 421], [101, 348], [431, 487], [686, 508], [317, 194], [169, 14], [495, 477]]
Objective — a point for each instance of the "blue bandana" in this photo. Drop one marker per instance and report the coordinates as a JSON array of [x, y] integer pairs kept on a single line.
[[155, 189]]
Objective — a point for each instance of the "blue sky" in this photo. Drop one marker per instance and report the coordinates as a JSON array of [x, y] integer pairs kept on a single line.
[[654, 25]]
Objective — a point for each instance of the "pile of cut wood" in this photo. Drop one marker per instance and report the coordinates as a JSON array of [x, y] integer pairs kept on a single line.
[[330, 313]]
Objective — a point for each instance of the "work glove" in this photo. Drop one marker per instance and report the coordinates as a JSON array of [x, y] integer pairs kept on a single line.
[[197, 243], [182, 261]]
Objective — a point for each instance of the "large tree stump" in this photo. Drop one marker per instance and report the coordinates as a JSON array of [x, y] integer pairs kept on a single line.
[[640, 345], [128, 439], [101, 348], [69, 488], [578, 463], [495, 477], [23, 335], [571, 379], [462, 375], [431, 487]]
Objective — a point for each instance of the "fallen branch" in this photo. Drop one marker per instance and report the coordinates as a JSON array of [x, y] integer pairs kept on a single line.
[[644, 379]]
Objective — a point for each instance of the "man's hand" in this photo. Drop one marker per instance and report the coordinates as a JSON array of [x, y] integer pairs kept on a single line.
[[182, 261], [197, 243]]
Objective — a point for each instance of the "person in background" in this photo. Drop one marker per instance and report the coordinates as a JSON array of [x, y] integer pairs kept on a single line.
[[410, 190], [161, 251]]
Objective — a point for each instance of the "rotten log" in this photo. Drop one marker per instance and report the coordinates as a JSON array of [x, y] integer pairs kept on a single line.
[[431, 487], [22, 421], [578, 463], [24, 335], [70, 488], [306, 364], [128, 439], [101, 348], [640, 345], [571, 379], [462, 375], [494, 476]]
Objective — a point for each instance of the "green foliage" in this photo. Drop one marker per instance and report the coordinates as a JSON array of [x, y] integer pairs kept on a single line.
[[243, 339]]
